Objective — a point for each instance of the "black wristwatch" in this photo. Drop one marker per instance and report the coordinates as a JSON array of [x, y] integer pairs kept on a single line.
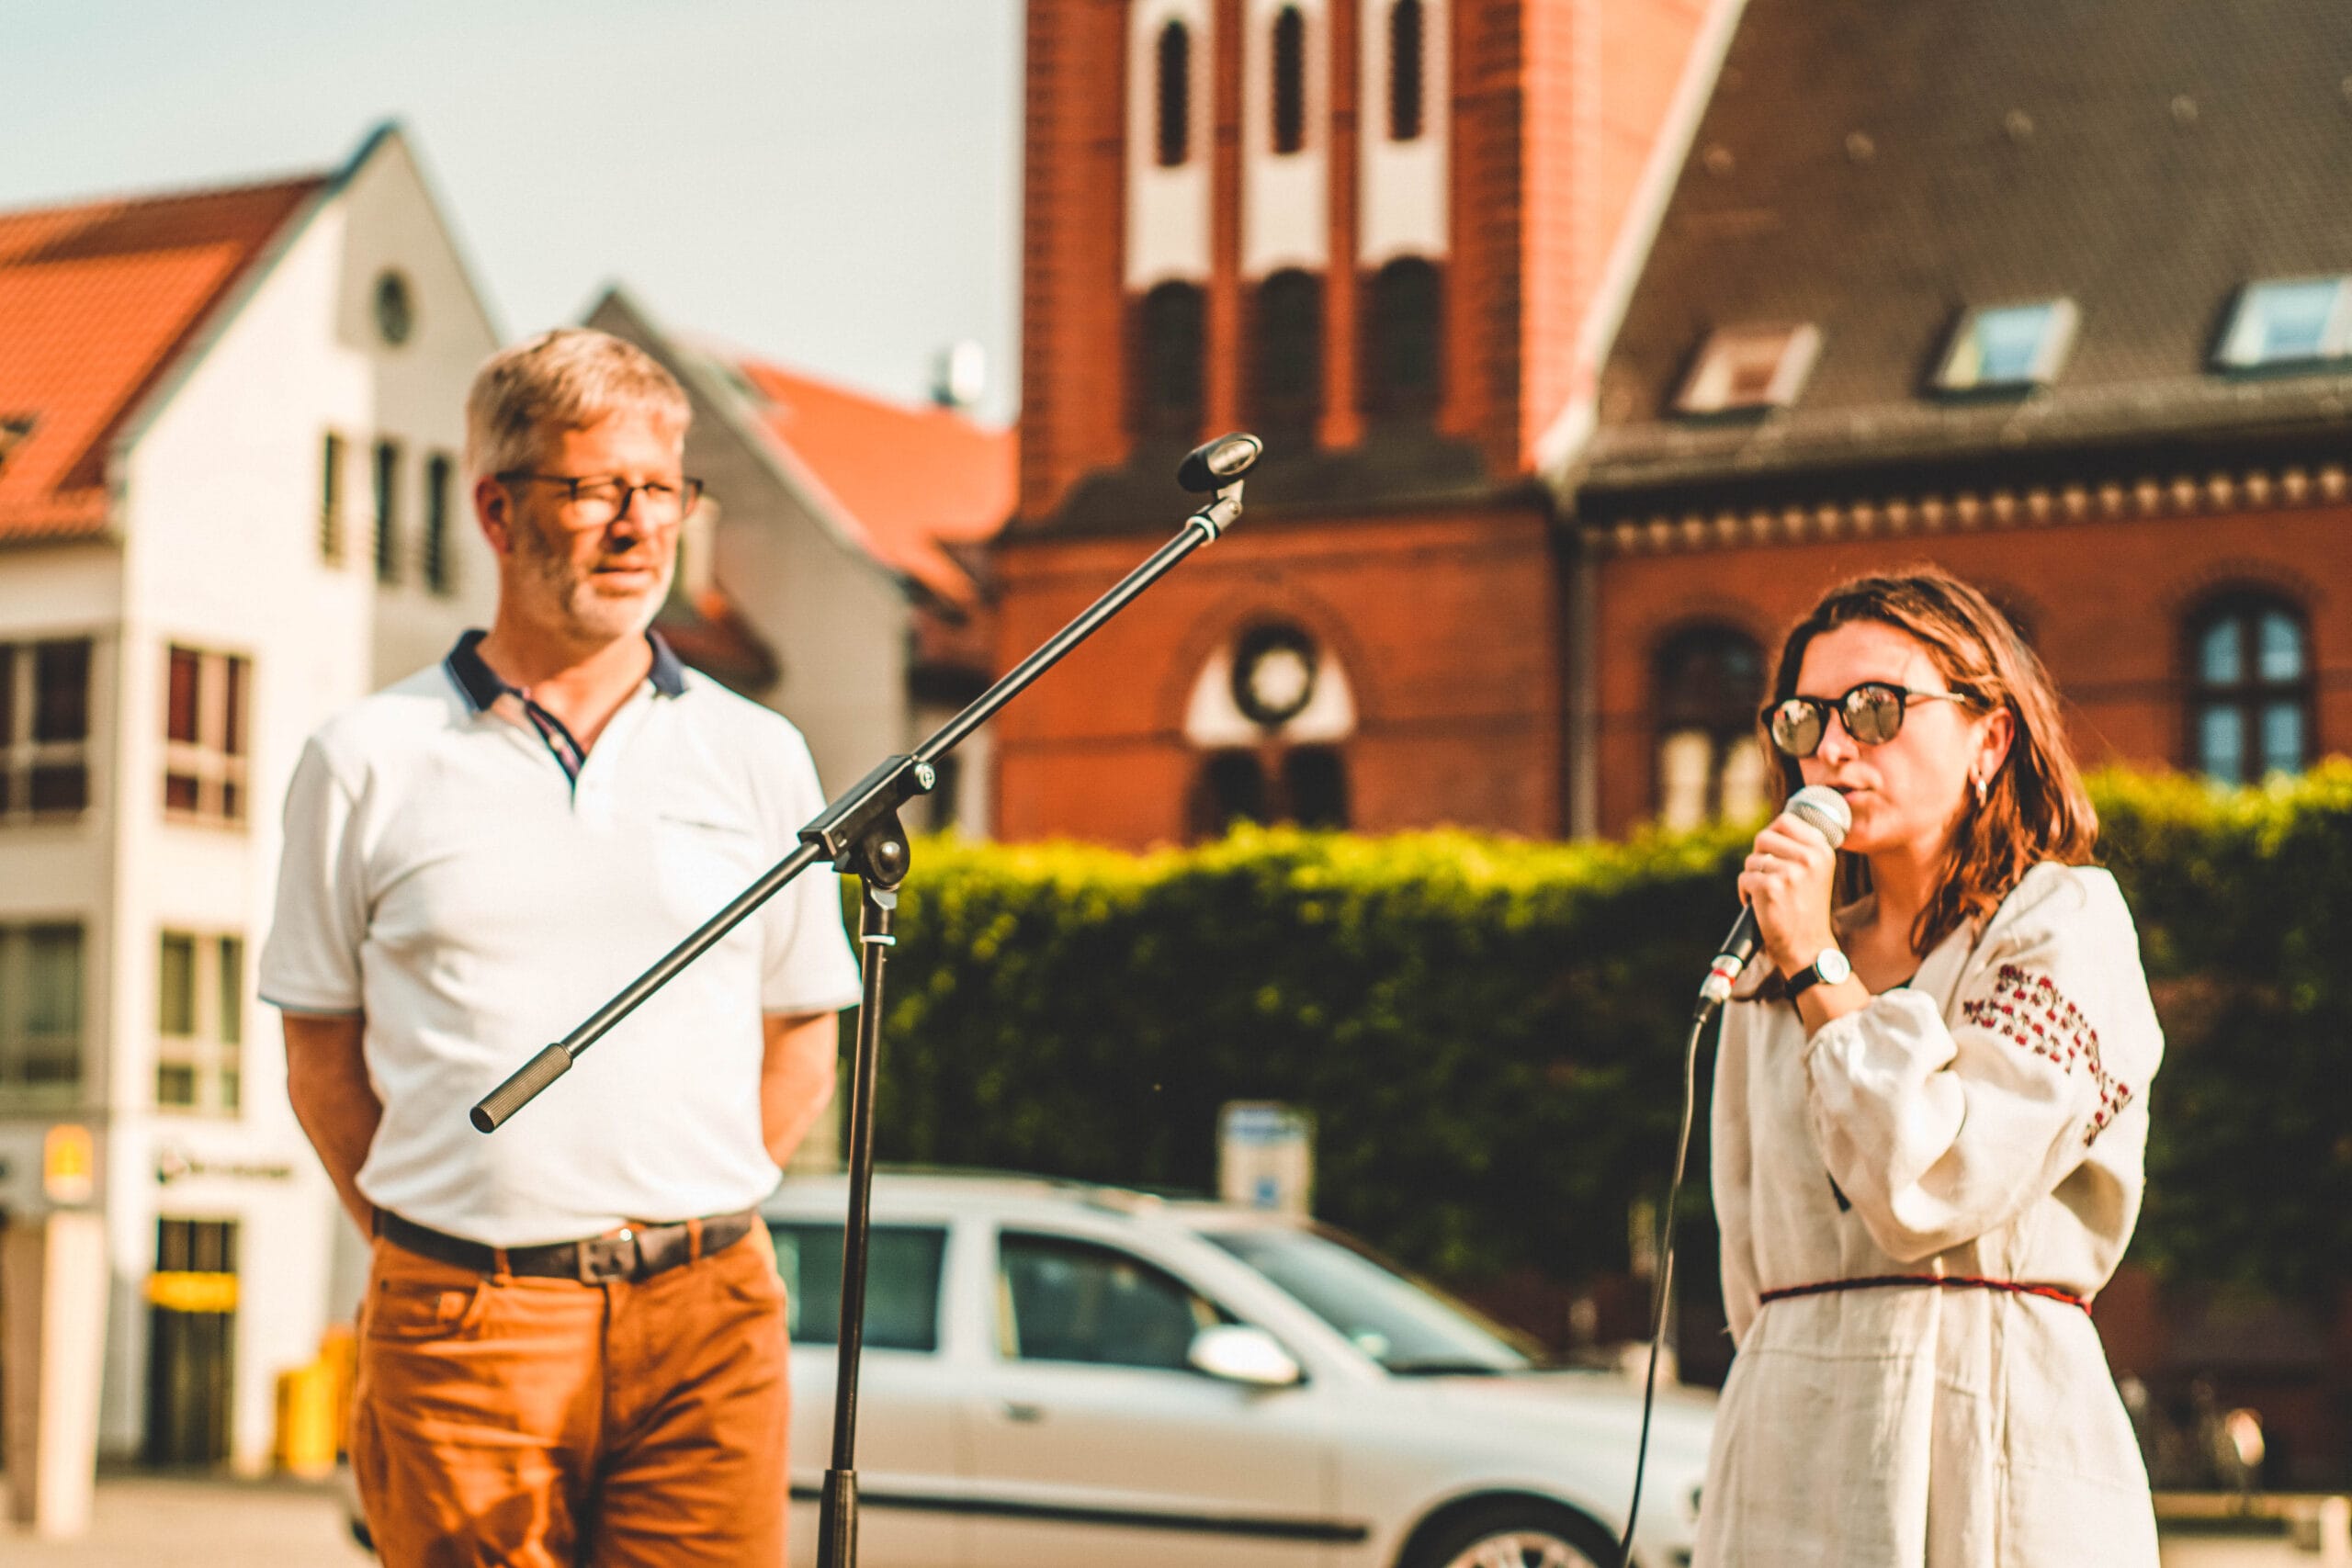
[[1830, 967]]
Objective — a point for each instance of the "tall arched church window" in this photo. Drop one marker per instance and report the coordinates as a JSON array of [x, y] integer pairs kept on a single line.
[[2250, 689], [1405, 70], [1168, 362], [1705, 688], [1290, 80], [1175, 96], [1287, 386], [1404, 352], [1269, 715]]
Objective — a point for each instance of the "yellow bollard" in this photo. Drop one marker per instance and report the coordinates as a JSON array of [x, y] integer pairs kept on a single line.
[[307, 1437]]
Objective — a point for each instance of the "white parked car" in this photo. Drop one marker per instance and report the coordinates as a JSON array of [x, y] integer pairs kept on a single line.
[[1059, 1375]]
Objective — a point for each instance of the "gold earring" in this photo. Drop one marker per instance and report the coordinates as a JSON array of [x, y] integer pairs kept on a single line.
[[1984, 788]]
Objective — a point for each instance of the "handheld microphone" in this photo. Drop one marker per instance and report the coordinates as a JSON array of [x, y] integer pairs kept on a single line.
[[1827, 811]]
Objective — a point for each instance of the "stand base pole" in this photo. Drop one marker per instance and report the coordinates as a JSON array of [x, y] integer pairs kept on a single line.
[[837, 1520]]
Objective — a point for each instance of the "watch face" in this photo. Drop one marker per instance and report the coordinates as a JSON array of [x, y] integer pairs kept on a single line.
[[1833, 965]]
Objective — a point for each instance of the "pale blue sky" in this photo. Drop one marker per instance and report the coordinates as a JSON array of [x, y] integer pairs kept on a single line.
[[834, 183]]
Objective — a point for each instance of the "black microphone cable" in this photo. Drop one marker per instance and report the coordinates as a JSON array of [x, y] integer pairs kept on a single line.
[[1662, 1287]]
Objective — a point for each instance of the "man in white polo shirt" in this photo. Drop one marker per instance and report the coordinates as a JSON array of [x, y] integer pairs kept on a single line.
[[572, 1348]]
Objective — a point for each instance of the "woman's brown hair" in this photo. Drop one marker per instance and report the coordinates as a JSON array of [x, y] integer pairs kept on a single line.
[[2036, 808]]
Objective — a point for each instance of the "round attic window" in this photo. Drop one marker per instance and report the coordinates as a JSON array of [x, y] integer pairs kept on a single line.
[[395, 309], [1273, 674]]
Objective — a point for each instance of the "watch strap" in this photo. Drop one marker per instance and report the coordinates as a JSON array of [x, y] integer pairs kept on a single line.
[[1811, 975]]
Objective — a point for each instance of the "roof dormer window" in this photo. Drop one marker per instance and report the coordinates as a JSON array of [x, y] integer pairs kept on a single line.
[[13, 429], [1749, 367], [2008, 348], [2290, 322]]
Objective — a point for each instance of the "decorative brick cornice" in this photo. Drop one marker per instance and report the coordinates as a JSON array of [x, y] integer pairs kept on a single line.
[[2282, 487]]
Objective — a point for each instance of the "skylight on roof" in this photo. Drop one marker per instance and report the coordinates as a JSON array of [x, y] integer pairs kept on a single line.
[[2006, 347], [2290, 322], [1749, 367]]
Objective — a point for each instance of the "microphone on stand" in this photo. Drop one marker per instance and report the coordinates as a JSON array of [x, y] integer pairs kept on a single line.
[[1827, 811]]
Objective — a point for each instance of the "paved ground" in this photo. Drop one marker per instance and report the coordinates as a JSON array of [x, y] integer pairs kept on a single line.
[[146, 1521], [157, 1522]]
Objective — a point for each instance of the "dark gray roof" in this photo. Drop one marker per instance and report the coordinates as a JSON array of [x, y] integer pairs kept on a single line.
[[1878, 166]]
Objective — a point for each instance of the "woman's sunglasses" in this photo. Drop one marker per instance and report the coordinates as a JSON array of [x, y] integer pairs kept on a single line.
[[1871, 713]]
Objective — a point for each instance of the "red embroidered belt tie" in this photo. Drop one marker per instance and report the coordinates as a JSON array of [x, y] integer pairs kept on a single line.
[[1941, 1282]]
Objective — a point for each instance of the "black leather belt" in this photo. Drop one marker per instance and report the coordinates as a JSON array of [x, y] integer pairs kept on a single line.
[[631, 1253]]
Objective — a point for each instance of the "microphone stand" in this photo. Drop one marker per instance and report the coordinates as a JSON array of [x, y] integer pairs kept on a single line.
[[860, 833]]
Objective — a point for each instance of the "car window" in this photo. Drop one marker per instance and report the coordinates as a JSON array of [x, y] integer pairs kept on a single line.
[[1396, 1320], [1060, 1299], [902, 1264]]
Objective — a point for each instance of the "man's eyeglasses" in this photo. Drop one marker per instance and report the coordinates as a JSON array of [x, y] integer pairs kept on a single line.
[[1871, 713], [598, 501]]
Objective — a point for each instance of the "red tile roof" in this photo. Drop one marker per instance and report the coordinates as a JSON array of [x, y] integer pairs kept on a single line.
[[96, 303], [913, 483]]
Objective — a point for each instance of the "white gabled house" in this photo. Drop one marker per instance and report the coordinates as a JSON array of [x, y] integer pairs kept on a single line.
[[232, 501]]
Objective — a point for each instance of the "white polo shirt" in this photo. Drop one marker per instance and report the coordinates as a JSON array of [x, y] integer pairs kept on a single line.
[[446, 876]]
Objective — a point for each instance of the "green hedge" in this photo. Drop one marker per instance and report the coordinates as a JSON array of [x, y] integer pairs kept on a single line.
[[1486, 1031]]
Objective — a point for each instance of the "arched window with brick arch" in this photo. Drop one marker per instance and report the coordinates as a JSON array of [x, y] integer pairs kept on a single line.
[[1173, 81], [1706, 684], [1170, 341], [1286, 383], [1404, 340], [1407, 88], [1290, 80], [2250, 688], [1269, 717]]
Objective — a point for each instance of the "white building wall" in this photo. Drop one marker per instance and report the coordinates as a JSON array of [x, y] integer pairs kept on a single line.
[[1168, 208], [1285, 197], [221, 512], [1403, 210]]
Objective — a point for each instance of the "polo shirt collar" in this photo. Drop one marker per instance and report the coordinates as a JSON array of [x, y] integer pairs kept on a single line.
[[482, 686]]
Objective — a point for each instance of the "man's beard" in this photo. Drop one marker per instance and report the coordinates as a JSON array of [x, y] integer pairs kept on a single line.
[[593, 615]]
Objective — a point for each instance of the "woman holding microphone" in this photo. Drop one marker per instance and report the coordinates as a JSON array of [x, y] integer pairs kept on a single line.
[[1931, 1108]]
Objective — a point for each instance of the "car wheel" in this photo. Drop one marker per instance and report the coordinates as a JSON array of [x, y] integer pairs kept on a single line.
[[1520, 1535]]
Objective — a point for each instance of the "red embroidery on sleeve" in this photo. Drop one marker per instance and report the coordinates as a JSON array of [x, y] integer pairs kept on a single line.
[[2030, 1010]]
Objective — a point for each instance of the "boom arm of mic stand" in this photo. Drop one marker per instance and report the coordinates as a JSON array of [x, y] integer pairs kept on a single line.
[[865, 805]]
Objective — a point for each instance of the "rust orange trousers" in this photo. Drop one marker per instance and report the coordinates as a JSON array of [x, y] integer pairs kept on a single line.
[[550, 1424]]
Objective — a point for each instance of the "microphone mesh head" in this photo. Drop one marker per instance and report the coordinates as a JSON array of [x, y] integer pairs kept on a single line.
[[1825, 809]]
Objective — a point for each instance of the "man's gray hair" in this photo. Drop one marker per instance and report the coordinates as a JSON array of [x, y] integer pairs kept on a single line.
[[564, 379]]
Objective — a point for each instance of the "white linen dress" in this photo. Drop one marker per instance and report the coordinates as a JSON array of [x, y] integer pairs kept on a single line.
[[1987, 1118]]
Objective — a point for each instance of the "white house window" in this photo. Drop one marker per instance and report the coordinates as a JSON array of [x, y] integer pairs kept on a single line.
[[207, 696], [41, 1012], [387, 493], [44, 729], [2250, 699], [331, 460], [199, 1022], [1174, 96], [2008, 346], [1750, 368], [2290, 322], [440, 576]]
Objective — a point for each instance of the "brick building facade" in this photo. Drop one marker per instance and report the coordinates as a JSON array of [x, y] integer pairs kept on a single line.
[[1590, 342], [1371, 230], [2084, 338]]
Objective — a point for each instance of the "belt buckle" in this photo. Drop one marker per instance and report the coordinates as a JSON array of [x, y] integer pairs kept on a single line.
[[608, 1259]]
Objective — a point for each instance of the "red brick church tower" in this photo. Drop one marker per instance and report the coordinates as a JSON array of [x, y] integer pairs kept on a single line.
[[1372, 231]]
